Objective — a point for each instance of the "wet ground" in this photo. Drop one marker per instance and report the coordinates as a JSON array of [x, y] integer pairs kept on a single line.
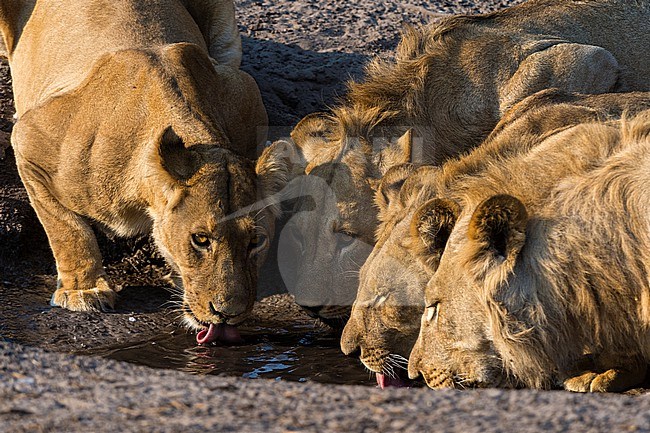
[[280, 342]]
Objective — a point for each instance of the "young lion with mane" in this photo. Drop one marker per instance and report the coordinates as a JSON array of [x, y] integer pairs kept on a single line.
[[385, 319], [541, 286]]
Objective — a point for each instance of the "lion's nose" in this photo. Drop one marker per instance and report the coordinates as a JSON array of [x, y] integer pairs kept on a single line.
[[414, 363], [223, 313], [349, 342]]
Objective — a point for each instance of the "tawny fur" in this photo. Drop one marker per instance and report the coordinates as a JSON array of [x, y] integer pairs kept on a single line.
[[134, 116], [400, 265], [449, 84], [566, 284], [453, 80]]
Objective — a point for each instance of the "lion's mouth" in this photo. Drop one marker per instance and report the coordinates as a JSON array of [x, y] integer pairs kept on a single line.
[[390, 372], [212, 332], [220, 332], [385, 381]]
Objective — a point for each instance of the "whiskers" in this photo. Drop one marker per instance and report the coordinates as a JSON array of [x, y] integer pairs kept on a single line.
[[262, 210], [393, 364], [350, 274], [461, 381], [176, 304], [174, 283]]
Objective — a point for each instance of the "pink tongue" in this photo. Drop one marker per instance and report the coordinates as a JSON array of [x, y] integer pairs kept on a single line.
[[384, 381], [218, 332]]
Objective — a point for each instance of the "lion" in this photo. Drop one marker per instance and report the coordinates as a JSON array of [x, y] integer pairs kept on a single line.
[[448, 86], [133, 116], [385, 319], [332, 226], [543, 280]]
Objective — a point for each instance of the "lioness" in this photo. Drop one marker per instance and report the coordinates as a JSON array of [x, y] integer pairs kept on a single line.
[[449, 84], [383, 325], [133, 116], [544, 276]]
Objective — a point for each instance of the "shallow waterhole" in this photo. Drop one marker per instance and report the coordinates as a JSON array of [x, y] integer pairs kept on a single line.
[[280, 341], [265, 353]]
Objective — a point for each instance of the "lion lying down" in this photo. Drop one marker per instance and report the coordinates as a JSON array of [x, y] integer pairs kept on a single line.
[[385, 319], [133, 116], [449, 83], [544, 277]]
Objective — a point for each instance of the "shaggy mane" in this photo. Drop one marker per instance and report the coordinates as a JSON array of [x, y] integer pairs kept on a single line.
[[581, 283]]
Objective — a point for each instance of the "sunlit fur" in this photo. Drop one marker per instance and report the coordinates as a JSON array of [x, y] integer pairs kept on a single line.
[[564, 300], [400, 265], [139, 119], [450, 83]]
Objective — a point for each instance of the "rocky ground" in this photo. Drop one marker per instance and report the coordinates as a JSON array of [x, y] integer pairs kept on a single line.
[[300, 52]]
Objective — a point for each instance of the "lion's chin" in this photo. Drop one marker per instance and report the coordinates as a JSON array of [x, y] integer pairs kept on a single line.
[[221, 332]]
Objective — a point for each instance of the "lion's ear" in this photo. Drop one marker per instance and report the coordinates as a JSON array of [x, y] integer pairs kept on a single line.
[[432, 225], [310, 134], [395, 153], [278, 164], [498, 227], [387, 189], [178, 161], [569, 67]]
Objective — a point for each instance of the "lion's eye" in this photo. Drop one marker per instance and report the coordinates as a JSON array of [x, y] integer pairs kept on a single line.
[[200, 240], [344, 238], [257, 241], [432, 312]]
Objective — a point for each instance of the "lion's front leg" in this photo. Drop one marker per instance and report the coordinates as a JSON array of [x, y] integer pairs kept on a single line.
[[82, 282], [607, 380]]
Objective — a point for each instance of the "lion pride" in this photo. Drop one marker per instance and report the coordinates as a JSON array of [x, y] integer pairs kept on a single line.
[[133, 116], [385, 319], [445, 90]]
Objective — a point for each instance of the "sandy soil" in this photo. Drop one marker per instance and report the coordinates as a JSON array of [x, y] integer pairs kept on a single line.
[[300, 52]]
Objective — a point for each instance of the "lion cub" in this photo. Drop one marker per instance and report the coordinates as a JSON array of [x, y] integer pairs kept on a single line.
[[543, 278], [133, 116]]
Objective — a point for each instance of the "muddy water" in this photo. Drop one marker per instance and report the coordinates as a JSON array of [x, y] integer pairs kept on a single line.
[[265, 353], [280, 341]]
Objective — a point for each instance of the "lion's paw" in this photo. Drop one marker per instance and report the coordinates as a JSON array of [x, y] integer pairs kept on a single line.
[[612, 380], [580, 383], [99, 298]]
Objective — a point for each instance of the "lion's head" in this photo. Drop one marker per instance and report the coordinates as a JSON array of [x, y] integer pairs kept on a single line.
[[213, 230], [527, 287], [384, 322], [455, 347], [331, 231]]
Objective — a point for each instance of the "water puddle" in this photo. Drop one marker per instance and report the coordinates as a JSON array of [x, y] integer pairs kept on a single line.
[[310, 356], [281, 343]]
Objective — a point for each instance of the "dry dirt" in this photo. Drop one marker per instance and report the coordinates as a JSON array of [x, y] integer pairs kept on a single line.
[[300, 52]]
